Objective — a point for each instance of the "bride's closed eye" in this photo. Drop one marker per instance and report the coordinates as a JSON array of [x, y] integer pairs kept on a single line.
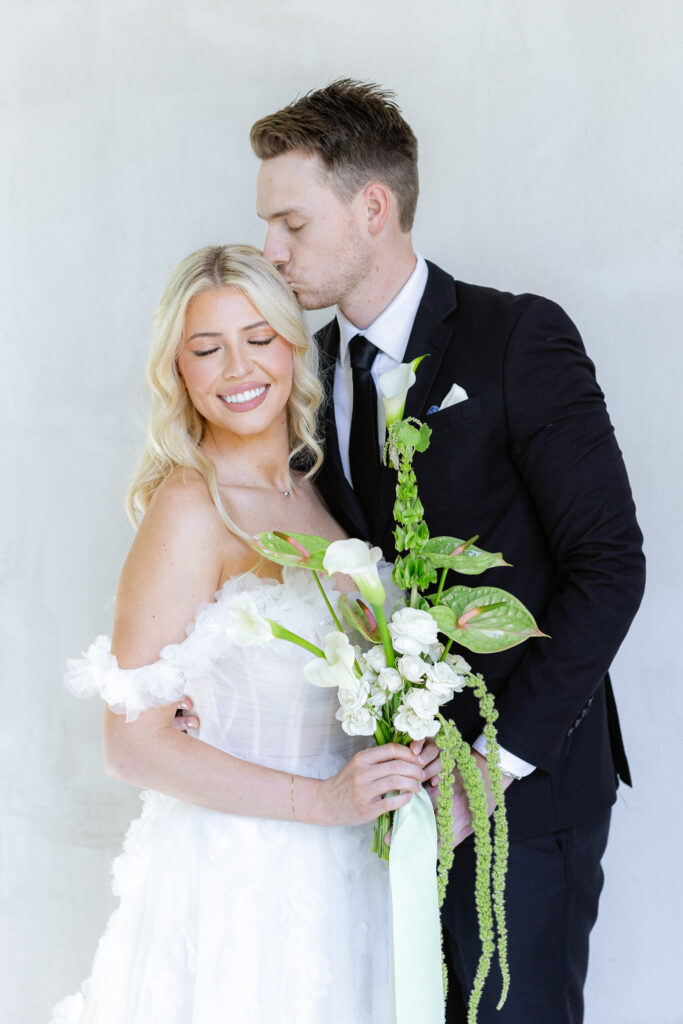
[[262, 341]]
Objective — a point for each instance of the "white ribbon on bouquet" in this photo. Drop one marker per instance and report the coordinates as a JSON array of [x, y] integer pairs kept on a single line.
[[418, 981]]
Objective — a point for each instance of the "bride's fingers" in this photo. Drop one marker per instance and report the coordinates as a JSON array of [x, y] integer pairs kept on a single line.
[[395, 767], [392, 784], [389, 752], [392, 803]]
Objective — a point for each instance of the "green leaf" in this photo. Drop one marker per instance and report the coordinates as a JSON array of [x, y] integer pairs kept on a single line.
[[411, 434], [484, 619], [302, 549], [468, 560]]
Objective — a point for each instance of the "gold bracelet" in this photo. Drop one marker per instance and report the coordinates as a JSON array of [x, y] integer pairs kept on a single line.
[[291, 798]]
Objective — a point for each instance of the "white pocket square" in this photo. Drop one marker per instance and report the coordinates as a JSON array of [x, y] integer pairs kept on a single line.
[[455, 395]]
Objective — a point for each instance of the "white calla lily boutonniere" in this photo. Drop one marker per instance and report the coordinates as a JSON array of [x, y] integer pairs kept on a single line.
[[394, 386]]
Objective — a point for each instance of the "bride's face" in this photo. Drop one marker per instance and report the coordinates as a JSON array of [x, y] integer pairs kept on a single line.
[[236, 368]]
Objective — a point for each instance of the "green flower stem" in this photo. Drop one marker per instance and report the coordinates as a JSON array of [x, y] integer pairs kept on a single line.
[[446, 649], [378, 612], [282, 633], [327, 602], [382, 827], [444, 574]]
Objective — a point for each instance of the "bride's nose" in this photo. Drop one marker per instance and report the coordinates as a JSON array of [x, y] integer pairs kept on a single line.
[[237, 362]]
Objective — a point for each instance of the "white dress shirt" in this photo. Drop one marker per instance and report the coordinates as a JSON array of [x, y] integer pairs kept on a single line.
[[390, 332]]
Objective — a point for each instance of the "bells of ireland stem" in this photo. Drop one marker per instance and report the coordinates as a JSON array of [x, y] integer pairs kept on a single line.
[[394, 386]]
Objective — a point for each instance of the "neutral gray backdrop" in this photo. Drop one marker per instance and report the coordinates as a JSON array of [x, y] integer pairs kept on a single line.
[[551, 161]]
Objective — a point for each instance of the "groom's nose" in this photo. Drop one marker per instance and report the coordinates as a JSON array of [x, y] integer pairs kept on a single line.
[[275, 249]]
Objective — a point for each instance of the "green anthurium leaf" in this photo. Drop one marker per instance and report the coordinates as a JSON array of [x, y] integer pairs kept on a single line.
[[357, 615], [302, 549], [460, 555], [484, 619]]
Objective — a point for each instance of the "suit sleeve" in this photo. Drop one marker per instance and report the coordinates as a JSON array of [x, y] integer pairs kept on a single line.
[[564, 449]]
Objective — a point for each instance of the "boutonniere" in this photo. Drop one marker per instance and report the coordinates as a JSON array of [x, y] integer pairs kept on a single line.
[[455, 395]]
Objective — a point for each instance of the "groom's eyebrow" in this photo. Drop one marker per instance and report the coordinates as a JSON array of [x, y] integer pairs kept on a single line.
[[281, 213]]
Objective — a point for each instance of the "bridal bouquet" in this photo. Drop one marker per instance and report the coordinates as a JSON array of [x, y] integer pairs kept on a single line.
[[393, 689]]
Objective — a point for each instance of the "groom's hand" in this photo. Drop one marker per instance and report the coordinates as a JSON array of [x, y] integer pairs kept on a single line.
[[432, 764], [184, 719]]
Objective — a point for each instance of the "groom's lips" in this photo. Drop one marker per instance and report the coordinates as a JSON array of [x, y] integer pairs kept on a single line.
[[245, 397]]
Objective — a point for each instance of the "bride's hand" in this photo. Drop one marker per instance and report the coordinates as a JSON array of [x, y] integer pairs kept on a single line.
[[375, 780]]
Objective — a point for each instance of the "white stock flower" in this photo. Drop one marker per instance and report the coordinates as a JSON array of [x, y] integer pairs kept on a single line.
[[336, 668], [390, 680], [416, 714], [435, 651], [375, 658], [413, 631], [245, 626], [412, 668], [355, 717], [354, 558], [443, 681], [360, 722], [378, 695], [458, 663]]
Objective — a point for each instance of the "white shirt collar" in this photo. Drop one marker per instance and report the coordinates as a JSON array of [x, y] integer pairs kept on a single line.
[[390, 331]]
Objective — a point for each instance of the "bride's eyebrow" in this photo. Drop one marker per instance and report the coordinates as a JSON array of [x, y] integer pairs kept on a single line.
[[219, 334]]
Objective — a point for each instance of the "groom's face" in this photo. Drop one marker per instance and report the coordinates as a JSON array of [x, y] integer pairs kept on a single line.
[[318, 240]]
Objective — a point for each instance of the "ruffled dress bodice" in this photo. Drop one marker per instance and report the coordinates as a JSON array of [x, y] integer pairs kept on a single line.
[[252, 701]]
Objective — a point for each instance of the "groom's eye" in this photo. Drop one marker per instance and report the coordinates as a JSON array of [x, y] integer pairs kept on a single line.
[[294, 227]]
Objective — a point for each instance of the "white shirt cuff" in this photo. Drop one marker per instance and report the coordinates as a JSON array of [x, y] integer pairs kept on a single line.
[[510, 764]]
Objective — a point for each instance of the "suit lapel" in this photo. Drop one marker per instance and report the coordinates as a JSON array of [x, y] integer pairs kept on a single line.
[[431, 334]]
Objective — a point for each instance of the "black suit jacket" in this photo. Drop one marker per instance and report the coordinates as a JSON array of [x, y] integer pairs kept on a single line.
[[530, 463]]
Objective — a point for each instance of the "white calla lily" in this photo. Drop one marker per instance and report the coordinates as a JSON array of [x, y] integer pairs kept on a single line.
[[394, 386], [337, 667], [356, 559], [245, 626]]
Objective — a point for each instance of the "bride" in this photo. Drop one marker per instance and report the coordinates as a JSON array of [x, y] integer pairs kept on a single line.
[[247, 889]]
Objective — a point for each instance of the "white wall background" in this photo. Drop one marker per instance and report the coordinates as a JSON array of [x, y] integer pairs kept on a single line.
[[551, 161]]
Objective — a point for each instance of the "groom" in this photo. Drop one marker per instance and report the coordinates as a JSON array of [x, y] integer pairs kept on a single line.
[[523, 454]]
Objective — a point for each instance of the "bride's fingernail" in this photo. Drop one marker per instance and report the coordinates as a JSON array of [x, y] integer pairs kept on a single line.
[[420, 759], [184, 704]]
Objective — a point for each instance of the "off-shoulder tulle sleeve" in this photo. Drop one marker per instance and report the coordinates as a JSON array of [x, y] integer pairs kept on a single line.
[[126, 691]]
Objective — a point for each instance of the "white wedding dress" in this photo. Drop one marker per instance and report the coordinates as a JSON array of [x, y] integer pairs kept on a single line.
[[230, 919]]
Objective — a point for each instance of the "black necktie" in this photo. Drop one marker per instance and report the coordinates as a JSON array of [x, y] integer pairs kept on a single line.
[[363, 440]]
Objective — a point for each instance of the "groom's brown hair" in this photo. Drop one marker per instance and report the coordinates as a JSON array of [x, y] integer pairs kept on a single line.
[[357, 131]]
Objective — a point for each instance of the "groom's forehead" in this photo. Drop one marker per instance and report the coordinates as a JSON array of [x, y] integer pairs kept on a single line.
[[290, 183]]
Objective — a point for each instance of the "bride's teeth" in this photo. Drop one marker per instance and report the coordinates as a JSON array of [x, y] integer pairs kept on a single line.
[[243, 396]]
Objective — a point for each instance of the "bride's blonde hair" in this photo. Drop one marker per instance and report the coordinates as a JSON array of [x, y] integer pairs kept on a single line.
[[175, 428]]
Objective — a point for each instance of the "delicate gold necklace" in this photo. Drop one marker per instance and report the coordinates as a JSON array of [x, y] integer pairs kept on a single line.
[[285, 494]]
